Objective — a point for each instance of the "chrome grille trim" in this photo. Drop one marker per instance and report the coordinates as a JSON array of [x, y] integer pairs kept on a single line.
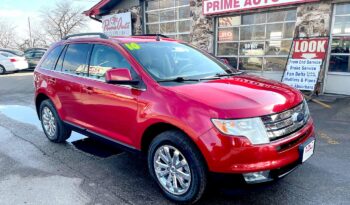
[[284, 123]]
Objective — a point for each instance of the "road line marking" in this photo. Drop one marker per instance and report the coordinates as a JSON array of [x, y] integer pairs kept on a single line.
[[327, 138]]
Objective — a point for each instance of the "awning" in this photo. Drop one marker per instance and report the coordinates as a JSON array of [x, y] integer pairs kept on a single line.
[[102, 7]]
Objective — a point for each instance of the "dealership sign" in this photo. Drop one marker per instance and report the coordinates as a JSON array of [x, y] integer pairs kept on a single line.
[[223, 6], [304, 67], [117, 24]]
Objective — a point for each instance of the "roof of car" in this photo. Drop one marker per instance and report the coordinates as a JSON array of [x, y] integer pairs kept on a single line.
[[15, 52]]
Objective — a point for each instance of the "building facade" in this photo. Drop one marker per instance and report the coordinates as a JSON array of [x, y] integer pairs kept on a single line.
[[253, 35]]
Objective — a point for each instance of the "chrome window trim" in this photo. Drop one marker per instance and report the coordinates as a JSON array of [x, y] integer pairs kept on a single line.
[[84, 77]]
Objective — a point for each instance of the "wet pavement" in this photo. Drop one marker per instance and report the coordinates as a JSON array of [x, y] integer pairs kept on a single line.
[[85, 171]]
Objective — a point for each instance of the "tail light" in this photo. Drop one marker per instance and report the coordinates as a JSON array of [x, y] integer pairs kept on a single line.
[[13, 60]]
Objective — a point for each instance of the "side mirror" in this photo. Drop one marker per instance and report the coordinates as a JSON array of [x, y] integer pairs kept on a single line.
[[121, 76]]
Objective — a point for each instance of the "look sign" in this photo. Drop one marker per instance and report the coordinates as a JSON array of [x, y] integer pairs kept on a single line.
[[304, 67], [223, 6], [310, 48]]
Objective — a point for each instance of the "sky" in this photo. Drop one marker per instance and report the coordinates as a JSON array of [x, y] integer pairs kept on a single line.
[[17, 12]]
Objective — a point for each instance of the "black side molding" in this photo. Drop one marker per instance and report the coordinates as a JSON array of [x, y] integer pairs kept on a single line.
[[104, 139]]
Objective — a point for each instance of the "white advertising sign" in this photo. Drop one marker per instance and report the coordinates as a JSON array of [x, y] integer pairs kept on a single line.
[[117, 24], [222, 6], [302, 74]]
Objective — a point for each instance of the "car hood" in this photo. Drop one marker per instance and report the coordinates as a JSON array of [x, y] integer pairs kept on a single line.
[[241, 96]]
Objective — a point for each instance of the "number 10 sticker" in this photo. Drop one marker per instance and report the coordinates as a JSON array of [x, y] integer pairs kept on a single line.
[[133, 46]]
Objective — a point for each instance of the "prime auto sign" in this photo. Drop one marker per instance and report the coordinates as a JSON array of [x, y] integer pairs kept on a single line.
[[223, 6], [310, 48], [117, 24]]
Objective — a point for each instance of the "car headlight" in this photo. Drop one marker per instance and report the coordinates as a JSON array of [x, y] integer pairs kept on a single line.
[[251, 128]]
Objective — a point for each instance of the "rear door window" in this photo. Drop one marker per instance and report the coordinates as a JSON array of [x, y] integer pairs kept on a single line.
[[104, 58], [51, 59], [76, 58]]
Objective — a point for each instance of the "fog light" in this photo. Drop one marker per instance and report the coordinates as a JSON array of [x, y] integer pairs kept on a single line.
[[257, 177]]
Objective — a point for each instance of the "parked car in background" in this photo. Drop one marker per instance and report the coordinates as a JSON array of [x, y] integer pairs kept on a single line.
[[14, 52], [190, 113], [33, 56], [11, 62]]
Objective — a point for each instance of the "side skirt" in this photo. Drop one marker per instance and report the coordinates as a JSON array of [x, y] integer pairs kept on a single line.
[[104, 139]]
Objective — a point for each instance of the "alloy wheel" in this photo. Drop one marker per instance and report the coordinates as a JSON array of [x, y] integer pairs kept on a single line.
[[172, 170], [49, 122]]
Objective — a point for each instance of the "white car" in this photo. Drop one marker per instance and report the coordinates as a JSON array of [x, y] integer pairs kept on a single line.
[[11, 62]]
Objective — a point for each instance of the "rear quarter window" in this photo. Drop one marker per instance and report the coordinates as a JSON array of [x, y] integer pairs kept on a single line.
[[51, 59]]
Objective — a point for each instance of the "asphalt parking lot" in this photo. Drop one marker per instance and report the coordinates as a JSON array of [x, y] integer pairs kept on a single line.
[[35, 171]]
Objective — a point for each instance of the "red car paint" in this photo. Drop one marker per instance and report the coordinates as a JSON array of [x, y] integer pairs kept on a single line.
[[124, 114]]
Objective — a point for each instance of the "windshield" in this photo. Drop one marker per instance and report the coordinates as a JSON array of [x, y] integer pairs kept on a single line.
[[168, 60]]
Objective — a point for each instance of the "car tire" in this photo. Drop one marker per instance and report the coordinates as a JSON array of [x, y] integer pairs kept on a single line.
[[192, 162], [54, 128], [2, 70]]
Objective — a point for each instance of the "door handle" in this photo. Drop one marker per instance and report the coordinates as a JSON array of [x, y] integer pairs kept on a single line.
[[89, 90], [52, 80]]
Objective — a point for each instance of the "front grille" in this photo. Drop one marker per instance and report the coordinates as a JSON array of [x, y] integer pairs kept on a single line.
[[282, 124]]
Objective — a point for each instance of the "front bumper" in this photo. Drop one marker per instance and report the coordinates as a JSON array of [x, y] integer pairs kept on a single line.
[[236, 155]]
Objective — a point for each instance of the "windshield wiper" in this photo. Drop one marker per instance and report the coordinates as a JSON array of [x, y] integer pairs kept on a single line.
[[182, 79], [228, 74], [178, 79]]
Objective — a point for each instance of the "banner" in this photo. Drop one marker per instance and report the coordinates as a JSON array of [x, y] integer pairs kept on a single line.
[[304, 67], [224, 6], [117, 24]]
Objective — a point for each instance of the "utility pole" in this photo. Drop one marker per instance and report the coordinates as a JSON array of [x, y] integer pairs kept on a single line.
[[30, 33]]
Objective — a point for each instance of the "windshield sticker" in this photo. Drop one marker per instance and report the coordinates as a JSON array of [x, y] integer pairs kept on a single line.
[[133, 46]]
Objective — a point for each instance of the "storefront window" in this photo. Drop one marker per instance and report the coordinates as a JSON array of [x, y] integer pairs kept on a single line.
[[340, 47], [256, 42], [168, 17]]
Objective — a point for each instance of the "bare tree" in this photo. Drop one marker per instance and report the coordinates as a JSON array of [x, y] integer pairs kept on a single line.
[[63, 19], [38, 40], [7, 34]]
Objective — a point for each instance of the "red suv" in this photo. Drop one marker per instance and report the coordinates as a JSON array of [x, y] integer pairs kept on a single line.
[[190, 113]]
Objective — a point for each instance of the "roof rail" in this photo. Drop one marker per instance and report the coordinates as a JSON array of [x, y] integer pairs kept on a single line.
[[101, 35], [151, 34]]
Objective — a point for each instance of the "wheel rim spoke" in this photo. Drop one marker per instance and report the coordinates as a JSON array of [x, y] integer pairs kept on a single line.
[[162, 165], [183, 175]]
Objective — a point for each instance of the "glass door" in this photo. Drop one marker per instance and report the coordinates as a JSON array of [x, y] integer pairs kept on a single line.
[[338, 75]]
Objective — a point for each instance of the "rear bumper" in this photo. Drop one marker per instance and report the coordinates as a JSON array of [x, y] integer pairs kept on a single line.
[[235, 155], [21, 65]]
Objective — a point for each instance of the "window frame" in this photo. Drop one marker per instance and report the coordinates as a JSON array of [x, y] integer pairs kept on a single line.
[[264, 41], [176, 20], [334, 36]]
